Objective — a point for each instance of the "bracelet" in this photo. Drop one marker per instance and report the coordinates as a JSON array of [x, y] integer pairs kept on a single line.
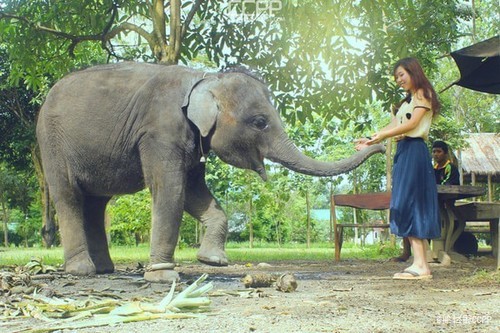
[[161, 266], [368, 137]]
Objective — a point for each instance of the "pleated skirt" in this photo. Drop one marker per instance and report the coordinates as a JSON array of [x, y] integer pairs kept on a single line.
[[414, 210]]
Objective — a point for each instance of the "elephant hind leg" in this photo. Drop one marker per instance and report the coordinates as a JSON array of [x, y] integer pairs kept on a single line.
[[69, 207], [95, 232]]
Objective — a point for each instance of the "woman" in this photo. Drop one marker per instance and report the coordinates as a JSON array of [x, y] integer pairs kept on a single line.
[[414, 211]]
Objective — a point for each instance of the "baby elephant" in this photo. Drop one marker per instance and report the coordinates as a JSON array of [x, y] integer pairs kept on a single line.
[[116, 129]]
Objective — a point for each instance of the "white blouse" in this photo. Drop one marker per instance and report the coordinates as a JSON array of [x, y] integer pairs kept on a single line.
[[405, 113]]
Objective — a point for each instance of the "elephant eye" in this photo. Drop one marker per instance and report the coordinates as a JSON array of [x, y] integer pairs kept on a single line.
[[260, 122]]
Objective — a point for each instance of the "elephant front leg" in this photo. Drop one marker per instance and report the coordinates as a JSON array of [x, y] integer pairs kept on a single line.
[[201, 204], [168, 206]]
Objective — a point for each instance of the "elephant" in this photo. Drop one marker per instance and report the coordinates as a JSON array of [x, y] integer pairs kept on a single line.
[[119, 128]]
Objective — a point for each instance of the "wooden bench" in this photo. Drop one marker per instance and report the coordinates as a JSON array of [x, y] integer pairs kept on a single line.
[[372, 201], [477, 227], [480, 211]]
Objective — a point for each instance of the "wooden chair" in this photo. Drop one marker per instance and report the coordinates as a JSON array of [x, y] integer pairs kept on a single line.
[[373, 201]]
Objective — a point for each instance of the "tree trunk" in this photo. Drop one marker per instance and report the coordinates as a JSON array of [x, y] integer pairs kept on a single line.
[[174, 46], [278, 234], [388, 173], [5, 228], [250, 225], [201, 232], [331, 214], [196, 234], [308, 212], [355, 221], [49, 227], [354, 210], [166, 53], [159, 31]]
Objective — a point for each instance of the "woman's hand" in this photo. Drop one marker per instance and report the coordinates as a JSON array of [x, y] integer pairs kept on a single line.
[[361, 143], [377, 138], [368, 141]]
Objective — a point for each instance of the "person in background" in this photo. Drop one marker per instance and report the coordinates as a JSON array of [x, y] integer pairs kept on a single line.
[[414, 210], [445, 172]]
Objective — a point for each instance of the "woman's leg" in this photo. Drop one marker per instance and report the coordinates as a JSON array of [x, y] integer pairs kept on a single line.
[[420, 265]]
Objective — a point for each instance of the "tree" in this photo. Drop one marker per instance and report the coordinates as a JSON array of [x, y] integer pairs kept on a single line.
[[17, 143], [15, 190], [17, 139], [330, 57], [90, 31]]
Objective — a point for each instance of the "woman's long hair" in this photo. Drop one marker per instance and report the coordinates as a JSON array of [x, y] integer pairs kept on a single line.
[[420, 81]]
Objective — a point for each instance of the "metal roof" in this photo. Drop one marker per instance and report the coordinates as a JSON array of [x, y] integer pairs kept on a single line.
[[482, 157]]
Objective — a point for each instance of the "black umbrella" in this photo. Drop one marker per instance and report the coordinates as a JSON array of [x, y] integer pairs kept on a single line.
[[479, 66]]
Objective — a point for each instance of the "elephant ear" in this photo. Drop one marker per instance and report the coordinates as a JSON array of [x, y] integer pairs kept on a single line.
[[202, 108]]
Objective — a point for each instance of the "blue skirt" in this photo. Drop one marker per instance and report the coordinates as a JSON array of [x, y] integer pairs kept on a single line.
[[414, 209]]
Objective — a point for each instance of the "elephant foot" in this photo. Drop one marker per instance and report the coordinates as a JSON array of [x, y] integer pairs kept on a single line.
[[213, 258], [80, 265], [103, 268], [103, 263], [161, 276]]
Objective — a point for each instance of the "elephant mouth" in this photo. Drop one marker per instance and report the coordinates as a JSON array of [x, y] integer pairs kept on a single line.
[[262, 172], [258, 166]]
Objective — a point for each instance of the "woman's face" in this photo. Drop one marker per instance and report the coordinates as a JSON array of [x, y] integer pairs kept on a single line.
[[403, 79]]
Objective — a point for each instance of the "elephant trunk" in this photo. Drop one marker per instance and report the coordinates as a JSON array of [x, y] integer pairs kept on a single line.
[[286, 153]]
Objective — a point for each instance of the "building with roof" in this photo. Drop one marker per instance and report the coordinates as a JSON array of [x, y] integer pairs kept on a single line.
[[480, 161]]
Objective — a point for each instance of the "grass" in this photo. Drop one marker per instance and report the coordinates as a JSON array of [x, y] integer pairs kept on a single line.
[[22, 255], [484, 277], [237, 252]]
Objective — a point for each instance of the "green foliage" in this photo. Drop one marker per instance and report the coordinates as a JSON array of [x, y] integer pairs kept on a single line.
[[46, 40], [190, 231], [328, 64], [130, 221], [330, 57], [37, 56], [27, 226], [320, 57], [130, 217], [17, 119], [16, 195], [16, 188]]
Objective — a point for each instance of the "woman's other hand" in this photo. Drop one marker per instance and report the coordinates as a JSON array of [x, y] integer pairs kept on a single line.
[[399, 137]]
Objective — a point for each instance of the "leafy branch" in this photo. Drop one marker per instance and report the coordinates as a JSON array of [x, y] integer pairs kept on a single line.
[[75, 40], [156, 39]]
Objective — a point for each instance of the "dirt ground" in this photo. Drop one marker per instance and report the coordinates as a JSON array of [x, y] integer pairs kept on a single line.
[[349, 296]]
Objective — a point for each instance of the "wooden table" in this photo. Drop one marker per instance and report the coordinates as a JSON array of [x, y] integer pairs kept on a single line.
[[447, 195]]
